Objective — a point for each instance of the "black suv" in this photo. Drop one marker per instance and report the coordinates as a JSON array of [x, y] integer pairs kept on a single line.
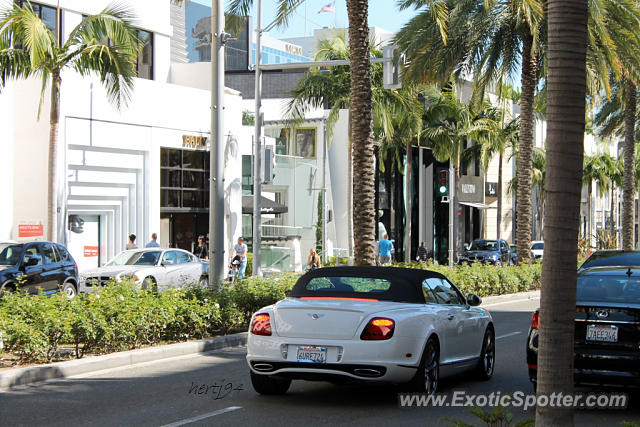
[[37, 266], [495, 252]]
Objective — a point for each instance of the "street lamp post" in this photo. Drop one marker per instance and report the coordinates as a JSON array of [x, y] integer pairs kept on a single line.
[[217, 245], [257, 153]]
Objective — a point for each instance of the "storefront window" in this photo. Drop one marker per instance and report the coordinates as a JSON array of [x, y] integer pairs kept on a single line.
[[144, 66], [247, 174], [305, 142], [184, 179]]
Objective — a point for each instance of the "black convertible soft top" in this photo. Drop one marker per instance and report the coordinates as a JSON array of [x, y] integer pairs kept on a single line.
[[406, 283]]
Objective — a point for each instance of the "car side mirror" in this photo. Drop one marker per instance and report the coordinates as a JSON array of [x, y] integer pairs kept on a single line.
[[466, 246], [30, 260], [474, 300]]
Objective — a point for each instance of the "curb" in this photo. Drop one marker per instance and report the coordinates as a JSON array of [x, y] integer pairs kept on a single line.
[[32, 374]]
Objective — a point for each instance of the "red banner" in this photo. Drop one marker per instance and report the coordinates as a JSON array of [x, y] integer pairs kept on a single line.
[[30, 230], [90, 251]]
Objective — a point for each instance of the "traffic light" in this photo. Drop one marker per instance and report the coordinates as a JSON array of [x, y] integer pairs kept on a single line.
[[443, 182]]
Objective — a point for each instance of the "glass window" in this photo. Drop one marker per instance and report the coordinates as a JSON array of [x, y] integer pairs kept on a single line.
[[34, 252], [348, 284], [185, 257], [444, 291], [194, 179], [607, 288], [10, 254], [537, 246], [428, 294], [484, 245], [170, 158], [144, 66], [63, 254], [247, 174], [306, 143], [170, 178], [48, 254], [144, 258], [47, 14], [170, 198], [171, 256], [193, 199], [193, 159]]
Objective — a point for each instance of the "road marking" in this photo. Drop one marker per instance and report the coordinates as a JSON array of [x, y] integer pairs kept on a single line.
[[203, 416], [511, 301], [510, 334]]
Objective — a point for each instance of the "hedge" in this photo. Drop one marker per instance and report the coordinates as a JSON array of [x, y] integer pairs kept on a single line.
[[120, 317]]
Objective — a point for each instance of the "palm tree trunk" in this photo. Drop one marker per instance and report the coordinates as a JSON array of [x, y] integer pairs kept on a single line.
[[612, 215], [350, 191], [361, 133], [628, 190], [525, 148], [407, 215], [499, 214], [456, 217], [566, 87], [52, 194]]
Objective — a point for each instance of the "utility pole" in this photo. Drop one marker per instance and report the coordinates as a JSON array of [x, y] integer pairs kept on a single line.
[[217, 245], [324, 191], [257, 152]]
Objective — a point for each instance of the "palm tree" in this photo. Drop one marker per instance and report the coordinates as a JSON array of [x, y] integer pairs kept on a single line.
[[538, 177], [511, 38], [105, 44], [614, 169], [330, 88], [566, 90]]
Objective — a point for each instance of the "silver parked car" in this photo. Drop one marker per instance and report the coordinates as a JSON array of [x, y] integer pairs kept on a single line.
[[149, 268]]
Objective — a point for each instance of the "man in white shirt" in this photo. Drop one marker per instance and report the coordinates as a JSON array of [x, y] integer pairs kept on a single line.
[[240, 249]]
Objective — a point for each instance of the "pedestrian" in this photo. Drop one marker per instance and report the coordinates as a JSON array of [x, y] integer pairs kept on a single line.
[[201, 251], [423, 254], [240, 249], [314, 260], [385, 246], [154, 242], [132, 242]]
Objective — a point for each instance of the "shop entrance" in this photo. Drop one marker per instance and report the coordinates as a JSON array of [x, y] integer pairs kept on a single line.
[[183, 229]]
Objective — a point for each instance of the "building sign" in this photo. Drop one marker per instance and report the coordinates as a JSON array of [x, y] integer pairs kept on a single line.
[[293, 49], [90, 251], [491, 189], [194, 141], [30, 229], [470, 189]]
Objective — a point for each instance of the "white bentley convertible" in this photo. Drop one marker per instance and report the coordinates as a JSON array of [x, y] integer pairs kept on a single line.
[[394, 325]]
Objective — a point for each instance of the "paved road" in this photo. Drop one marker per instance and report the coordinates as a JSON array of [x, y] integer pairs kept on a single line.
[[158, 393]]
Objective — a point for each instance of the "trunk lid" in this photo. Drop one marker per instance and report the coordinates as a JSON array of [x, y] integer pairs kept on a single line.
[[324, 318], [613, 326]]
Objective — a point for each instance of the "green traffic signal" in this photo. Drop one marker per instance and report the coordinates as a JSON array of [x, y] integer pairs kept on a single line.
[[443, 189]]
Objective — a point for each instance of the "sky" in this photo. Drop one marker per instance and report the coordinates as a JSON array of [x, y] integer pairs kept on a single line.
[[382, 13]]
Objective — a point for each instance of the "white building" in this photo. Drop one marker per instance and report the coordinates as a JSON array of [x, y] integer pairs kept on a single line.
[[140, 170]]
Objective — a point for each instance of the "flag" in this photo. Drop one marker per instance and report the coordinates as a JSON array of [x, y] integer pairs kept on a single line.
[[331, 8]]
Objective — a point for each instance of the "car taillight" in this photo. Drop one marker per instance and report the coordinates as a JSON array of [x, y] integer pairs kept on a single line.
[[535, 320], [76, 266], [378, 328], [261, 324]]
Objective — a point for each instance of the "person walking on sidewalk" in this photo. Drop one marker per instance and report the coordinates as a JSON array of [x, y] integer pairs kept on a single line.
[[201, 250], [385, 245], [154, 242], [423, 254], [240, 250], [132, 242]]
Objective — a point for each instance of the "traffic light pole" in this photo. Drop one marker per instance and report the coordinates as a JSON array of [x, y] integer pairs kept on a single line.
[[452, 192]]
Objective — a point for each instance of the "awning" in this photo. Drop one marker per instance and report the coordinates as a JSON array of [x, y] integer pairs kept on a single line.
[[266, 206], [477, 205]]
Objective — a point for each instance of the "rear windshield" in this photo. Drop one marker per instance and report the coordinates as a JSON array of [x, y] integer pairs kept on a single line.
[[612, 258], [348, 284], [609, 289], [537, 246]]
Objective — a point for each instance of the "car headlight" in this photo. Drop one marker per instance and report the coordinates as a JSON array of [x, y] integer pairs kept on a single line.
[[493, 257]]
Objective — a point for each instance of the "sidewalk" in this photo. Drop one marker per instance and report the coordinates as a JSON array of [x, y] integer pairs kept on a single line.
[[32, 374]]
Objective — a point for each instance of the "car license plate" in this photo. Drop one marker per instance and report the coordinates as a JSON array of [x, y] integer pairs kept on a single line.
[[608, 333], [312, 354]]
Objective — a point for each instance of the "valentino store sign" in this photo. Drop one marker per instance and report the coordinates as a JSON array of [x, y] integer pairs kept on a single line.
[[194, 141]]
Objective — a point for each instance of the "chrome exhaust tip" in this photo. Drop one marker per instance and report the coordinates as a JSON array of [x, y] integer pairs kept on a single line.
[[366, 372], [263, 367]]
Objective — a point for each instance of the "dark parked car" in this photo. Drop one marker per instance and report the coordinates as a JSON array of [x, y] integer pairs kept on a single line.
[[613, 257], [37, 266], [494, 252], [607, 328]]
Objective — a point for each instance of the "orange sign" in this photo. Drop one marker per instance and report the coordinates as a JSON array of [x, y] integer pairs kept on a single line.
[[30, 230], [90, 251]]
